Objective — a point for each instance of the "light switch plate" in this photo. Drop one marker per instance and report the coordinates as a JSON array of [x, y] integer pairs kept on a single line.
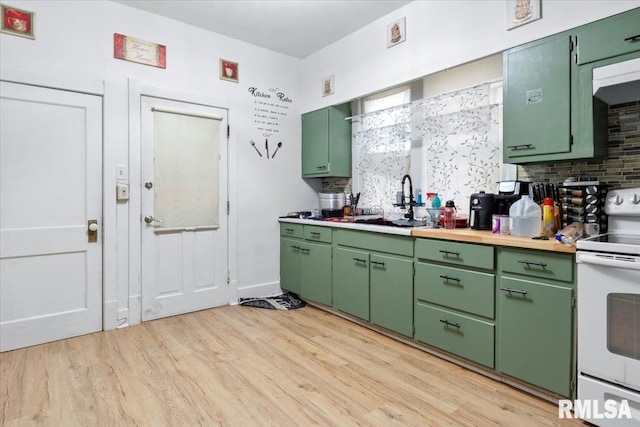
[[122, 192]]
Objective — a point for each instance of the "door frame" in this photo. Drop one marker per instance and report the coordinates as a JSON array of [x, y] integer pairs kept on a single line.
[[135, 92]]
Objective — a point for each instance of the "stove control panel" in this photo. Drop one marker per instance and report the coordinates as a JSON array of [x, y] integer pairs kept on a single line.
[[623, 202]]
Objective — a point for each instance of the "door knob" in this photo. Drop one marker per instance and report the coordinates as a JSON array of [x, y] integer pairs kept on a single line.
[[148, 185], [149, 219], [92, 233]]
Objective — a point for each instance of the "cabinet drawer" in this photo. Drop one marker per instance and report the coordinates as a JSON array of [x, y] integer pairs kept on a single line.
[[466, 254], [469, 338], [464, 290], [288, 229], [317, 233], [547, 265], [387, 243], [609, 37]]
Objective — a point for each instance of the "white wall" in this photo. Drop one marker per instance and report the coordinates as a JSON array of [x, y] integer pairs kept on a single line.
[[439, 34], [74, 40]]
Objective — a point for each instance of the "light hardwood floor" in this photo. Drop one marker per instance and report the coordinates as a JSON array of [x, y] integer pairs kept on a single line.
[[242, 366]]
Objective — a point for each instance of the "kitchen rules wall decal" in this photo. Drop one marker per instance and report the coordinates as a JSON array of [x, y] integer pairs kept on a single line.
[[140, 51], [270, 106]]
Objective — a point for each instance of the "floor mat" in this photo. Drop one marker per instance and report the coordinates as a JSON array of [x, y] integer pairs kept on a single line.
[[286, 301]]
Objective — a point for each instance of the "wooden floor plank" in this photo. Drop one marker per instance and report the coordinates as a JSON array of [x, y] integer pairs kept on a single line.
[[243, 366]]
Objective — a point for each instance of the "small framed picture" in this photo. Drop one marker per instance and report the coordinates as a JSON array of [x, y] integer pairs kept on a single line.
[[520, 12], [396, 32], [17, 21], [328, 84], [229, 70]]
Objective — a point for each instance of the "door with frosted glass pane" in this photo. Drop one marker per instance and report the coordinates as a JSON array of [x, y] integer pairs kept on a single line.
[[184, 207]]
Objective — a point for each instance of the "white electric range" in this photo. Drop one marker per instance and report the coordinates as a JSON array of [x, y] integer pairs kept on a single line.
[[608, 288]]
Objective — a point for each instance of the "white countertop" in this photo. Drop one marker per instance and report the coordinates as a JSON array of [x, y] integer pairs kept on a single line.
[[401, 231]]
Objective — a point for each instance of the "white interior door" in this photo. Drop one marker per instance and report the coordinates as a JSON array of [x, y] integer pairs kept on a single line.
[[50, 188], [184, 207]]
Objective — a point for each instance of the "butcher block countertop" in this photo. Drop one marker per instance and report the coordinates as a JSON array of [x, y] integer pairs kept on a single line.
[[487, 237]]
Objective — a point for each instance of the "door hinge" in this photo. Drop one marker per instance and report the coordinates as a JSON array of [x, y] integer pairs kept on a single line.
[[228, 277], [228, 207], [573, 301], [572, 384], [570, 140], [228, 131]]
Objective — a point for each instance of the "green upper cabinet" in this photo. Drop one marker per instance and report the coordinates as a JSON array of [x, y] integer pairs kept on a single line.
[[326, 142], [537, 100], [610, 37]]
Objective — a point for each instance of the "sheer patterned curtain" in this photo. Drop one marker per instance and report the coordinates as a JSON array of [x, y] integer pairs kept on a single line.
[[382, 148], [458, 134], [461, 139]]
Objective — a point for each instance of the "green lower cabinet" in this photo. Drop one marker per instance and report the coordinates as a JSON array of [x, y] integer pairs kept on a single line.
[[464, 336], [351, 282], [290, 272], [535, 333], [315, 264], [391, 288]]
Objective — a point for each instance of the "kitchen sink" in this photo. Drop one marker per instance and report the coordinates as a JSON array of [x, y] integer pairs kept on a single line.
[[396, 223]]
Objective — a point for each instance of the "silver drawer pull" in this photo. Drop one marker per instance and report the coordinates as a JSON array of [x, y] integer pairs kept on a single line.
[[632, 38], [364, 261], [446, 322], [529, 263], [315, 233], [515, 291], [381, 264]]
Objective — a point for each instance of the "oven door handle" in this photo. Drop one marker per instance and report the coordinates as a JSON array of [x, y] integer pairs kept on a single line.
[[616, 261]]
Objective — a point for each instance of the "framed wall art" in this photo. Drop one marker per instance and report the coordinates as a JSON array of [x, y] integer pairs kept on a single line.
[[17, 21], [396, 32], [229, 70], [140, 51], [328, 84], [520, 12]]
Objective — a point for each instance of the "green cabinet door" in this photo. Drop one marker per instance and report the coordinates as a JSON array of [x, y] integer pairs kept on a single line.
[[290, 278], [537, 100], [351, 282], [316, 272], [315, 146], [535, 333], [391, 287], [609, 37], [326, 142]]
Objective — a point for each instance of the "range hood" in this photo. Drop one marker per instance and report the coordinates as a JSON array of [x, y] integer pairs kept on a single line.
[[617, 83]]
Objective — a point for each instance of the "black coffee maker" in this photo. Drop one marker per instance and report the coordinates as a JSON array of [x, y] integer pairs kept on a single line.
[[507, 193]]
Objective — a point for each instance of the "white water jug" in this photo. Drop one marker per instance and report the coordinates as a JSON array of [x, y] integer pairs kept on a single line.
[[525, 218]]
